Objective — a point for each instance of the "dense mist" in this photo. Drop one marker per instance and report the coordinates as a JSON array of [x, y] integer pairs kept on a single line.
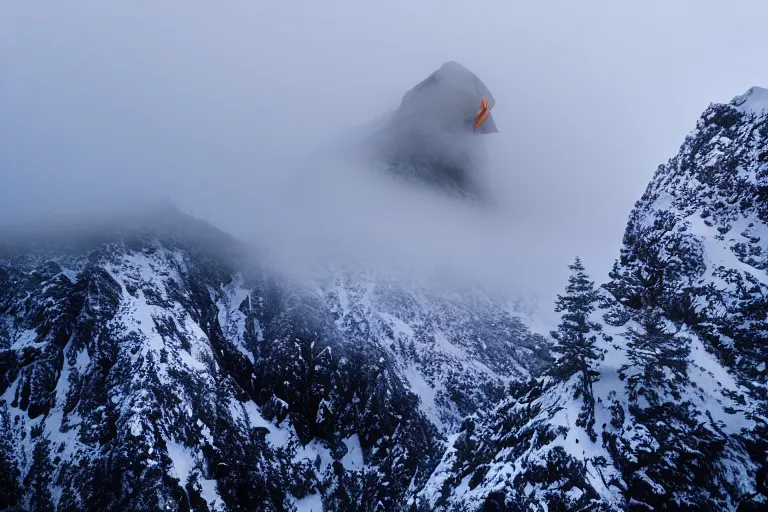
[[241, 114]]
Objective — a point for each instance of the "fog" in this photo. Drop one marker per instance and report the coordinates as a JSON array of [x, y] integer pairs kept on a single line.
[[236, 112]]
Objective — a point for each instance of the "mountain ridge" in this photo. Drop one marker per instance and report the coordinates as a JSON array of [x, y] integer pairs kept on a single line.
[[148, 371], [162, 367], [678, 397]]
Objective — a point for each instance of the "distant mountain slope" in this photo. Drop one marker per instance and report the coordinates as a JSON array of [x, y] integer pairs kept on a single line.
[[151, 365]]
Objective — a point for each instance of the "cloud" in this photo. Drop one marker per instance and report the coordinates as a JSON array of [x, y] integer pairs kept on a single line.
[[219, 107]]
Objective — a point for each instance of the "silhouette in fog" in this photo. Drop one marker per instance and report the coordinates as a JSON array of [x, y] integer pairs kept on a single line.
[[434, 137]]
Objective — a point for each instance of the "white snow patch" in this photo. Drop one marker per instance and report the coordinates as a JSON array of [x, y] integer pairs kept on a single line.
[[231, 319], [182, 460], [463, 486], [54, 420], [277, 436], [259, 332], [433, 487], [135, 426], [83, 360], [190, 361], [209, 491], [353, 460], [719, 252], [62, 386], [24, 339], [25, 445], [662, 203], [576, 440], [206, 432], [311, 451], [70, 274], [142, 316], [421, 388], [397, 325], [311, 503], [711, 377]]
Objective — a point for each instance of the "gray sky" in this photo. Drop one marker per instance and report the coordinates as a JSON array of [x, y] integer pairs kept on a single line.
[[217, 105]]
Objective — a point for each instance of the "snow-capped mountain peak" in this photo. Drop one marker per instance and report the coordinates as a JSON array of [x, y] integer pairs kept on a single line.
[[755, 100]]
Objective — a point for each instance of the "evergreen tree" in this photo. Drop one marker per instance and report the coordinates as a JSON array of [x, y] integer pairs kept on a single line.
[[38, 480], [658, 355], [576, 338], [10, 490], [658, 360], [670, 456]]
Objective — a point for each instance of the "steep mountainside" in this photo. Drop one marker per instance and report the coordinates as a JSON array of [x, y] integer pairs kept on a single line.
[[152, 370], [660, 398], [148, 365]]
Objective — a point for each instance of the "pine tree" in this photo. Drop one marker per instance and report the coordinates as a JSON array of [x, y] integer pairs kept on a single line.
[[658, 355], [670, 455], [10, 490], [38, 480], [576, 338], [658, 360]]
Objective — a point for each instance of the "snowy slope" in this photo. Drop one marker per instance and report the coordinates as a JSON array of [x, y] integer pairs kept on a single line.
[[680, 397], [151, 368], [155, 372], [456, 351]]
